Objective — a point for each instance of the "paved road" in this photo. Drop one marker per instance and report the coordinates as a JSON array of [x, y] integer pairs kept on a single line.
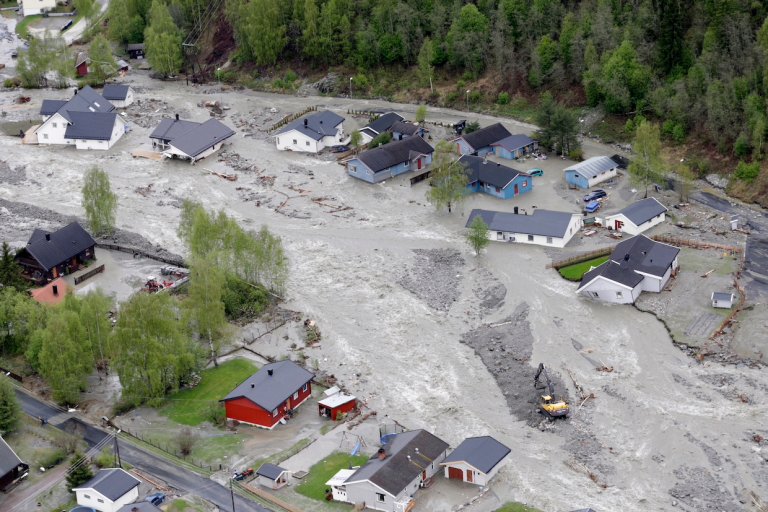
[[175, 476]]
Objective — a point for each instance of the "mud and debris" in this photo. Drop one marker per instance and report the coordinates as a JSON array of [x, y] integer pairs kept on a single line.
[[434, 277]]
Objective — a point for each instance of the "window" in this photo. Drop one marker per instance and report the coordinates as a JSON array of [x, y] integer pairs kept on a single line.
[[619, 295], [294, 141], [307, 143], [305, 387], [100, 500], [525, 183], [54, 125], [274, 413], [379, 497], [499, 235], [595, 295], [296, 395], [45, 135], [86, 496], [498, 190], [530, 238], [549, 239]]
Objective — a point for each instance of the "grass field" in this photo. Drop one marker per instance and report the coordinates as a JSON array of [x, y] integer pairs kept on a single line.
[[208, 450], [314, 486], [190, 406], [576, 271], [22, 27], [517, 507]]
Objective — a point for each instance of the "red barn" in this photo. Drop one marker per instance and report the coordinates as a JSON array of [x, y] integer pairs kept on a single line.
[[81, 64], [268, 395], [336, 403]]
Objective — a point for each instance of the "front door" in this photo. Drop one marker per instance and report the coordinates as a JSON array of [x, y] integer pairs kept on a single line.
[[469, 475], [418, 163], [618, 225], [517, 189]]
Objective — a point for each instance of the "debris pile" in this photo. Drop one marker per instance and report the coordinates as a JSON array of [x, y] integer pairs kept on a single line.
[[237, 161], [147, 113], [434, 277]]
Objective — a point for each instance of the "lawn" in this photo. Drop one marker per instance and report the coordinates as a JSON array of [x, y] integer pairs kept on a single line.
[[22, 26], [576, 271], [209, 450], [314, 486], [517, 507], [190, 406], [182, 506]]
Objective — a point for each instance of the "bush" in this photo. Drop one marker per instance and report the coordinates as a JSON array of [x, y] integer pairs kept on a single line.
[[742, 147], [503, 98], [187, 440], [242, 300], [475, 96], [217, 414], [10, 83], [105, 459], [54, 458], [577, 155], [380, 140], [747, 172], [678, 133], [291, 76]]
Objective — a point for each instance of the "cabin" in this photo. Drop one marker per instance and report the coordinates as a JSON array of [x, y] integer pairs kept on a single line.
[[480, 142], [476, 460], [636, 265], [590, 172], [87, 121], [32, 7], [52, 293], [12, 469], [81, 64], [514, 146], [336, 404], [495, 179], [381, 124], [269, 395], [49, 255], [108, 491], [637, 217], [312, 133], [135, 50], [390, 479], [722, 300], [390, 160], [121, 96], [543, 227], [272, 476], [189, 140]]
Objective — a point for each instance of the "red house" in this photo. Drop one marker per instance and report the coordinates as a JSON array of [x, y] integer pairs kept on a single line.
[[268, 395]]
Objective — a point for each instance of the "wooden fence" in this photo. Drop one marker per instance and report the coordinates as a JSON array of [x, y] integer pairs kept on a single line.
[[267, 496], [138, 252], [291, 117], [604, 251], [89, 274]]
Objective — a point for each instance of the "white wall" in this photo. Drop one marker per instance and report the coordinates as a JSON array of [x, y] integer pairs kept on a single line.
[[478, 478], [126, 102], [52, 131], [296, 141], [118, 130], [602, 177], [629, 227], [91, 498], [30, 7], [608, 291], [172, 150], [522, 238]]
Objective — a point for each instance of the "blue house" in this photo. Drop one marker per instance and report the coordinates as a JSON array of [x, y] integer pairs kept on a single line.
[[390, 160], [481, 142], [495, 179], [514, 146], [590, 172], [403, 129]]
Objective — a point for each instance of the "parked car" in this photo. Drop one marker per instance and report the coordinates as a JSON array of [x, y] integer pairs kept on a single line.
[[339, 149], [595, 194], [238, 476], [536, 172], [592, 207], [156, 499]]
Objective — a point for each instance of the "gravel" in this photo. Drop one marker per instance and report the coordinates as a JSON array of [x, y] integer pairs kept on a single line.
[[434, 277], [698, 490]]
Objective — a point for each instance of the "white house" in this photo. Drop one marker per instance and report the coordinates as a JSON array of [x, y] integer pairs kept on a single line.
[[87, 121], [381, 124], [590, 172], [189, 140], [389, 480], [31, 7], [272, 476], [543, 227], [637, 217], [119, 95], [476, 460], [312, 133], [722, 300], [636, 265], [108, 491]]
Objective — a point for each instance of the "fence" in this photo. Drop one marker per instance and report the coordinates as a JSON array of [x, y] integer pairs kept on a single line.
[[138, 252], [9, 373], [267, 496], [167, 447], [605, 251], [89, 274], [291, 117]]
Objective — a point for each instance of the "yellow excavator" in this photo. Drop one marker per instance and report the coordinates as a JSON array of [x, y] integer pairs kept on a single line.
[[549, 405]]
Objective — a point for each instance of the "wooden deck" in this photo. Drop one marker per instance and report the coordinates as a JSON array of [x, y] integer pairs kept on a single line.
[[30, 136], [143, 153]]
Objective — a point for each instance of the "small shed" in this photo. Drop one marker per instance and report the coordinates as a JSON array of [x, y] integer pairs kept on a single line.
[[336, 484], [81, 64], [272, 476], [336, 403], [476, 460], [135, 51], [722, 300]]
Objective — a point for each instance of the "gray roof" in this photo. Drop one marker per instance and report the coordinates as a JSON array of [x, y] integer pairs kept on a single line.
[[90, 125], [384, 122], [134, 46], [514, 142], [202, 137], [139, 506], [50, 107], [269, 391], [593, 167], [318, 125], [169, 129], [394, 153], [482, 453], [542, 222], [63, 245], [85, 101], [271, 471], [111, 483], [492, 173], [722, 296], [368, 132], [8, 458], [408, 454], [486, 136], [405, 127], [115, 91], [615, 272], [645, 255], [643, 211]]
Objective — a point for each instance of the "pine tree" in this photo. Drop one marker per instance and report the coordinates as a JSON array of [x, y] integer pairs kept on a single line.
[[10, 271], [10, 411], [79, 471]]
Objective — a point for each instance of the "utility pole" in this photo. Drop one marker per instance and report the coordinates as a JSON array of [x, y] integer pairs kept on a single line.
[[232, 494], [118, 462]]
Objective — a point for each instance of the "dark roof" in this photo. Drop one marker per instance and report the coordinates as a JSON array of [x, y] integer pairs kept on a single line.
[[643, 211], [492, 173], [115, 92], [270, 471], [202, 137], [486, 136], [645, 255], [613, 272], [8, 458], [368, 132], [722, 296], [64, 244], [405, 127], [90, 125], [318, 125], [85, 100], [111, 483], [542, 222], [384, 122], [482, 453], [169, 129], [621, 161], [408, 454], [269, 391], [50, 107], [139, 506], [134, 46], [593, 167], [514, 142], [394, 153]]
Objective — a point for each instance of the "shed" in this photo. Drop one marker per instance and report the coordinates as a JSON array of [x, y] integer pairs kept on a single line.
[[272, 476], [476, 460], [81, 64], [119, 95], [637, 217], [591, 172], [135, 51], [722, 300], [12, 469], [336, 404]]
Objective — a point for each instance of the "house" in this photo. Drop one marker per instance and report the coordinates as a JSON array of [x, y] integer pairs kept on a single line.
[[87, 120], [637, 217], [543, 227], [269, 395], [135, 51], [636, 265], [722, 300], [12, 469], [590, 172], [514, 146], [336, 403], [81, 64], [189, 140], [481, 142], [52, 293], [381, 124], [403, 129], [119, 95], [392, 476], [139, 506], [108, 491], [272, 476], [476, 460], [32, 7], [495, 179], [50, 255], [390, 160], [312, 134]]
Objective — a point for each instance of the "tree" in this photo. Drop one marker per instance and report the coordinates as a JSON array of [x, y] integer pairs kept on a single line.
[[558, 126], [46, 62], [448, 178], [93, 311], [421, 113], [119, 28], [380, 140], [477, 236], [99, 202], [311, 33], [425, 59], [10, 271], [65, 358], [88, 9], [79, 471], [163, 41], [259, 29], [10, 411], [20, 316], [624, 80], [467, 40], [471, 127], [646, 167], [356, 139], [103, 64], [204, 308]]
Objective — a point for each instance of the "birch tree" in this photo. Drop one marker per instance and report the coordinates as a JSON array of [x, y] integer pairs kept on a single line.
[[204, 307], [449, 178], [99, 202]]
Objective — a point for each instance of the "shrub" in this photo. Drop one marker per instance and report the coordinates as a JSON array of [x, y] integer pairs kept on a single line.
[[678, 133], [380, 140], [747, 172], [742, 147], [187, 440], [241, 300], [475, 96], [54, 458], [216, 414], [105, 459], [577, 155], [291, 76], [10, 83], [503, 98]]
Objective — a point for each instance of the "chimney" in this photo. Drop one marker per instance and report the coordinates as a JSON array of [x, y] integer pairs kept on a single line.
[[55, 289], [270, 372], [47, 237], [177, 117], [382, 453]]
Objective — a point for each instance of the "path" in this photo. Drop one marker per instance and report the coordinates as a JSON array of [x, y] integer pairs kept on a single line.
[[24, 499]]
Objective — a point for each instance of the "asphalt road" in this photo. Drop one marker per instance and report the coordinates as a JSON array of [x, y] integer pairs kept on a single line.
[[175, 476]]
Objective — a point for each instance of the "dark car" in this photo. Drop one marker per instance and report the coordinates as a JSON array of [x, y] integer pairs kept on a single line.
[[339, 149], [595, 194], [156, 499]]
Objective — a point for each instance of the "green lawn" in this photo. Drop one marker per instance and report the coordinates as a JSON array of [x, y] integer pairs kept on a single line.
[[22, 26], [182, 506], [517, 507], [190, 406], [314, 486], [209, 450], [576, 271]]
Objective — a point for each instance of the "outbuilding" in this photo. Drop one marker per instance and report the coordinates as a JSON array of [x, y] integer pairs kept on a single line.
[[108, 491], [590, 172], [12, 469], [476, 460], [135, 50], [722, 300], [336, 403], [120, 95], [637, 217], [272, 476], [544, 227], [312, 133], [404, 129], [390, 160], [495, 179], [81, 64], [514, 146]]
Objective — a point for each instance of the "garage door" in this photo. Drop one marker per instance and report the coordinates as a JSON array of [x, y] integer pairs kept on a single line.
[[455, 474]]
